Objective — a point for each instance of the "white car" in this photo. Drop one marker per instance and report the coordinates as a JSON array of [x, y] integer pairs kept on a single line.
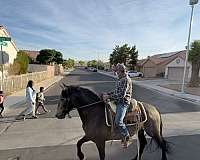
[[92, 69], [132, 74]]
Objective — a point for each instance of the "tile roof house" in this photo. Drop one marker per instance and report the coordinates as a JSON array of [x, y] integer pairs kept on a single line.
[[32, 54], [155, 65], [175, 68]]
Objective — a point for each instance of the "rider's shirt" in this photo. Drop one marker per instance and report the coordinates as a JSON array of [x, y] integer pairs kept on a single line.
[[123, 90]]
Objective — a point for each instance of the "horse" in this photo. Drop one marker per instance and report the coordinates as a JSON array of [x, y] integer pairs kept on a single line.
[[91, 110]]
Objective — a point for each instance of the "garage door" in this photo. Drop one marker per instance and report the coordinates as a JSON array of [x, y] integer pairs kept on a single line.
[[176, 73], [149, 72]]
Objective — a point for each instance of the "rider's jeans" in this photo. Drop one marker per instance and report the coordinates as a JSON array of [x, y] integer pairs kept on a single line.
[[120, 114]]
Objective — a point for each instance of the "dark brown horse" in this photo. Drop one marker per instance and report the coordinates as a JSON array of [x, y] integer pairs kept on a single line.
[[94, 124]]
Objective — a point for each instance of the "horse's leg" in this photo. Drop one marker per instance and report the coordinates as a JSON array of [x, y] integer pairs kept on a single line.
[[79, 144], [153, 127], [101, 148], [143, 142]]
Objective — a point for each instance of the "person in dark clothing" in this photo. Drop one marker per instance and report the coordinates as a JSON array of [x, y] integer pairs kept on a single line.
[[1, 103]]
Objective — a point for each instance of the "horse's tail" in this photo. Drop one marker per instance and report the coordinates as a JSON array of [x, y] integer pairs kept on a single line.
[[161, 142], [154, 128]]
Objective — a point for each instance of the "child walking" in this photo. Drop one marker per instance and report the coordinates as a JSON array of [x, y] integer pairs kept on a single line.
[[1, 103], [40, 101]]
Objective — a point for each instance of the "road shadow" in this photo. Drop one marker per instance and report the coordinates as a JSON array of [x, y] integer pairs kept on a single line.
[[180, 151]]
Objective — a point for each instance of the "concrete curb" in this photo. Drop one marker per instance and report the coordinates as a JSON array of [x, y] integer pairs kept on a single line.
[[173, 93]]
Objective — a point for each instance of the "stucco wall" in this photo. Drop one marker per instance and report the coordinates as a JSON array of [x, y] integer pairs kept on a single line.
[[10, 48], [58, 70], [149, 63], [36, 68], [178, 62], [40, 68], [15, 83]]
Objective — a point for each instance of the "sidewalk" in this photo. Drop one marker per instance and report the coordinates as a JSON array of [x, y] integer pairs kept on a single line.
[[157, 86], [13, 100], [18, 98]]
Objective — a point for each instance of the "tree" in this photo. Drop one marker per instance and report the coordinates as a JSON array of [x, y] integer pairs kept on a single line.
[[81, 63], [133, 57], [194, 58], [100, 65], [119, 54], [48, 56], [124, 54], [21, 62], [69, 63], [92, 63], [58, 57]]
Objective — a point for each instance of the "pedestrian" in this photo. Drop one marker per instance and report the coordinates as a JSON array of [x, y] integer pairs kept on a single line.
[[40, 101], [31, 101], [1, 103], [122, 97]]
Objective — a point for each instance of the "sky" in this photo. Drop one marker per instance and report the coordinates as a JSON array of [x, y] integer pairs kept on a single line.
[[90, 29]]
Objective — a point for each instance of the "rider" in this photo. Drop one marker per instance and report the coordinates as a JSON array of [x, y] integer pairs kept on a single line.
[[122, 97]]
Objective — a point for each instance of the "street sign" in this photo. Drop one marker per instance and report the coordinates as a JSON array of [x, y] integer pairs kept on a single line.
[[5, 39], [4, 58], [193, 2], [3, 44]]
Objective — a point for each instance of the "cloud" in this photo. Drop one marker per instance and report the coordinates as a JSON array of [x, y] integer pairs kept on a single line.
[[84, 29]]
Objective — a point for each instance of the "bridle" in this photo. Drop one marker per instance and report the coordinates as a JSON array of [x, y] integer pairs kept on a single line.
[[81, 107]]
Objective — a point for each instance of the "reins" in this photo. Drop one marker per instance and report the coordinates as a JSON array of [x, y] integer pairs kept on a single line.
[[87, 105]]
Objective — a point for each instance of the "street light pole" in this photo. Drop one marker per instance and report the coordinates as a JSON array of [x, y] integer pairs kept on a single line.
[[97, 61], [192, 3], [2, 68]]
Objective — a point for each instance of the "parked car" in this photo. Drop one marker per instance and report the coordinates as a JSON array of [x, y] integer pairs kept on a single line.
[[132, 74], [92, 69]]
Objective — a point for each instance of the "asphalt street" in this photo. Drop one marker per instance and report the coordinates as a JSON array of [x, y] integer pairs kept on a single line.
[[48, 138]]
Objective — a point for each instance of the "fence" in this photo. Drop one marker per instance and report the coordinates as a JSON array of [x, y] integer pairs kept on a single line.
[[15, 83]]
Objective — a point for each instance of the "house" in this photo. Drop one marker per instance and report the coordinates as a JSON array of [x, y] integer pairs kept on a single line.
[[10, 51], [32, 55], [139, 66], [175, 68], [155, 66]]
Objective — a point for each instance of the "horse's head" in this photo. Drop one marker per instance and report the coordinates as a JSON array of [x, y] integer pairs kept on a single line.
[[74, 96], [65, 104]]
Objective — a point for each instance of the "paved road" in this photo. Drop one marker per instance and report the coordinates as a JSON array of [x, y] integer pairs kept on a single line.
[[50, 139]]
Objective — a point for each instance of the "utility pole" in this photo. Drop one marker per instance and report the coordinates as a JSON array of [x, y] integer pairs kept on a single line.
[[192, 3], [97, 61], [2, 78]]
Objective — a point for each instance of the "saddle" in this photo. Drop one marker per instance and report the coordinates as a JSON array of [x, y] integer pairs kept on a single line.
[[135, 113]]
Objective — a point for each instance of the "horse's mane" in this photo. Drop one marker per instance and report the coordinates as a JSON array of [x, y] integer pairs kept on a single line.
[[90, 93], [87, 92]]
